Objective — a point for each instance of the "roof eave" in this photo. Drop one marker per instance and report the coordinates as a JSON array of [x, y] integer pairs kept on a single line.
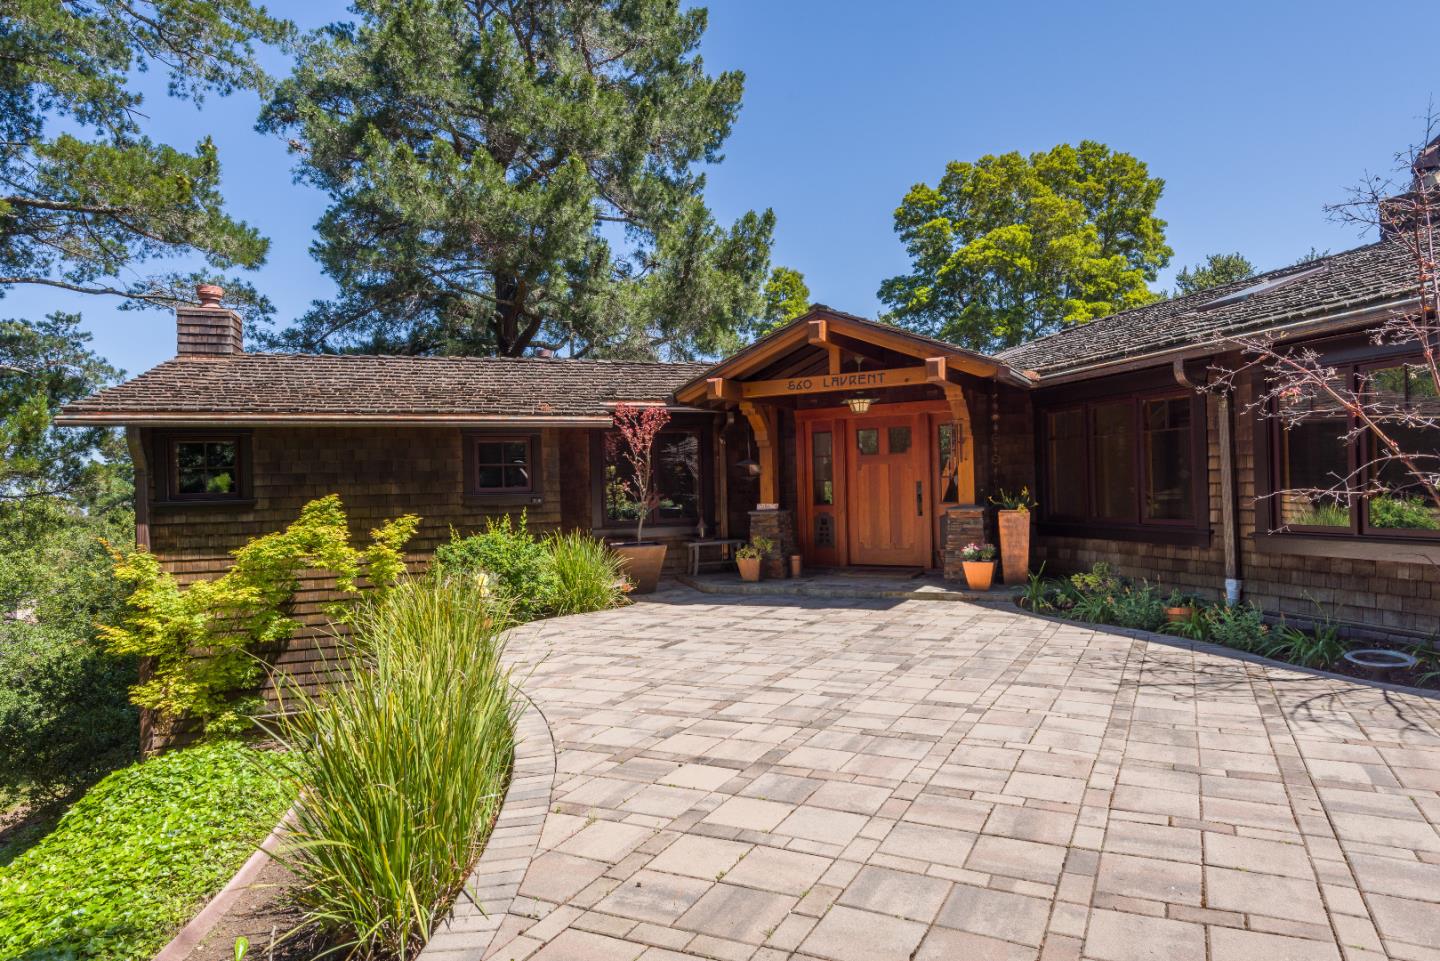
[[1330, 322], [117, 418]]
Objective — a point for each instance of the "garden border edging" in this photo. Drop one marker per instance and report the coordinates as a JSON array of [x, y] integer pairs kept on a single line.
[[494, 883], [197, 928]]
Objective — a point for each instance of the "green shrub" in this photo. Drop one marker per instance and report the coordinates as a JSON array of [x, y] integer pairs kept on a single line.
[[1242, 627], [1319, 647], [403, 765], [1407, 513], [523, 570], [1195, 625], [64, 714], [1139, 607], [200, 638], [131, 861], [588, 574], [1100, 579]]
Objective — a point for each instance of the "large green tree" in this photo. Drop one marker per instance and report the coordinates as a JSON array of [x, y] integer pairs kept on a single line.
[[520, 174], [787, 296], [87, 200], [1011, 247], [1216, 270]]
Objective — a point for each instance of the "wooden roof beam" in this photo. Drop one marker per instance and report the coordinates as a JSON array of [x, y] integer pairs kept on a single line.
[[718, 388]]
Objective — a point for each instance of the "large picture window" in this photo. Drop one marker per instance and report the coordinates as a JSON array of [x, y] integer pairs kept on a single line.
[[1329, 476], [1124, 464], [678, 465]]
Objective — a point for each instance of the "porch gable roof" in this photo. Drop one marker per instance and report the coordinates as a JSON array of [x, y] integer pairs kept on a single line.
[[821, 321]]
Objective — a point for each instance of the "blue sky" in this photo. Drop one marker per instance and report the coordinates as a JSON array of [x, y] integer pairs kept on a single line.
[[1255, 114]]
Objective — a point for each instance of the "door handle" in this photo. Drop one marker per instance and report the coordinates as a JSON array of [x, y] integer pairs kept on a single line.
[[919, 498]]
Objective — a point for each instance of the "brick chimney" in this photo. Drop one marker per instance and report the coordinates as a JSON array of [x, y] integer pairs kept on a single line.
[[208, 329]]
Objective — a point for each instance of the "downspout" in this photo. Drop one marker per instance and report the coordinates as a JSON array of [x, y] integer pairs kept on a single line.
[[1229, 507], [136, 442]]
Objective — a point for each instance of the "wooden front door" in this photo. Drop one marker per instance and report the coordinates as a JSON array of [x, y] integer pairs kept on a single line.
[[888, 492]]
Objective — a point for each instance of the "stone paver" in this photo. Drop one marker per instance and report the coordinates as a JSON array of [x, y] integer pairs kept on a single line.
[[828, 779]]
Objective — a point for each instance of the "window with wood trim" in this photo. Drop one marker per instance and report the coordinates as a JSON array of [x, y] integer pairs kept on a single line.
[[502, 466], [1124, 463], [1329, 476], [679, 460], [206, 467]]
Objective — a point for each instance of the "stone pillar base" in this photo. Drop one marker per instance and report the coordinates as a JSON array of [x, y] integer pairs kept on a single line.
[[964, 524], [778, 526]]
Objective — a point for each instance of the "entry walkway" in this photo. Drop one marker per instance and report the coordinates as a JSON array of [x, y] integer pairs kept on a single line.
[[765, 778]]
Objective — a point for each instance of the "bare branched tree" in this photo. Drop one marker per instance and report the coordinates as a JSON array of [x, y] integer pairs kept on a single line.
[[1388, 415]]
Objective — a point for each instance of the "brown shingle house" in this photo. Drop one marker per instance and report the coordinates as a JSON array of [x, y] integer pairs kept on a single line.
[[876, 446]]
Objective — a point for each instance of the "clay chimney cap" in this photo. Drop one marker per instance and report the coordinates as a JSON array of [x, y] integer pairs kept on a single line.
[[209, 294]]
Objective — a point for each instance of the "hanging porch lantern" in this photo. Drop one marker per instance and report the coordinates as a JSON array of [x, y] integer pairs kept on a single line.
[[859, 405]]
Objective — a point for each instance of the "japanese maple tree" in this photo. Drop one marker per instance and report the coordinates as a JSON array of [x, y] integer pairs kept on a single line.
[[637, 427]]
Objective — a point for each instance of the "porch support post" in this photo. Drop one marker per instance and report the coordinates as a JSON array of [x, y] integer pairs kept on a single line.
[[763, 425], [964, 443]]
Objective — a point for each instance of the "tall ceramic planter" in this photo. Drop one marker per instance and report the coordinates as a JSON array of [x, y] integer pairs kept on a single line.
[[642, 563], [1015, 545]]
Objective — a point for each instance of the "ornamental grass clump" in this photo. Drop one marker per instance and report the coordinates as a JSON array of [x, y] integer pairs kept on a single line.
[[589, 574], [402, 764]]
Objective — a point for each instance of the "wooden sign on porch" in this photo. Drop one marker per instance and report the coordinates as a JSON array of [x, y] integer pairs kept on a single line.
[[823, 383]]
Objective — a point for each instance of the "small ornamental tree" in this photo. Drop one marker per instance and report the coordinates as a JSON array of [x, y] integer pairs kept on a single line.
[[201, 640], [637, 429], [1395, 411]]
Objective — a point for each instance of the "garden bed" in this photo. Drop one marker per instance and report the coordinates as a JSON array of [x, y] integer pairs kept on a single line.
[[1099, 596]]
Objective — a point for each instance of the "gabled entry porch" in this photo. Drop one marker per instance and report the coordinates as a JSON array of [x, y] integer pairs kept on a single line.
[[862, 438]]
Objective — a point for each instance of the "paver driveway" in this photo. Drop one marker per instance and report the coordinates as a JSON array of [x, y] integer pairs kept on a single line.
[[741, 779]]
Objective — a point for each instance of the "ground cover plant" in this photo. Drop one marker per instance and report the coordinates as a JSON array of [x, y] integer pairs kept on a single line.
[[403, 764], [132, 859]]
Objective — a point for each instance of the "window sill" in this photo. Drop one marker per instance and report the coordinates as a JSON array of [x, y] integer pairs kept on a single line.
[[1172, 536], [1348, 547], [237, 503], [477, 499]]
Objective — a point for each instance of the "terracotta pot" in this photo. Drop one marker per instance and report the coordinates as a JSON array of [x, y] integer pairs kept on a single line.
[[642, 563], [1015, 545], [1176, 615], [749, 568], [978, 574], [795, 562]]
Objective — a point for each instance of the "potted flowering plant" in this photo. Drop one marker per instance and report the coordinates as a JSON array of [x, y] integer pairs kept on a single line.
[[749, 556], [978, 560], [634, 443], [1013, 518], [1179, 608]]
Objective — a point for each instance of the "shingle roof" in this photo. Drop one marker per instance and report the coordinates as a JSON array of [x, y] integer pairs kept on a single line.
[[1370, 275], [321, 386]]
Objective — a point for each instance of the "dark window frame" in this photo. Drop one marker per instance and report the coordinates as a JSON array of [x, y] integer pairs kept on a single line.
[[705, 493], [471, 441], [167, 476], [1353, 357], [1192, 531]]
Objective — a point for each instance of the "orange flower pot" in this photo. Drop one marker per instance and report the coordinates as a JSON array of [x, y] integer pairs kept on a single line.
[[979, 574], [641, 563], [1015, 545], [749, 568]]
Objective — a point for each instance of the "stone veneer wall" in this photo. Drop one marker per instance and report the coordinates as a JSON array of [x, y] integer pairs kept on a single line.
[[964, 525], [778, 526]]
